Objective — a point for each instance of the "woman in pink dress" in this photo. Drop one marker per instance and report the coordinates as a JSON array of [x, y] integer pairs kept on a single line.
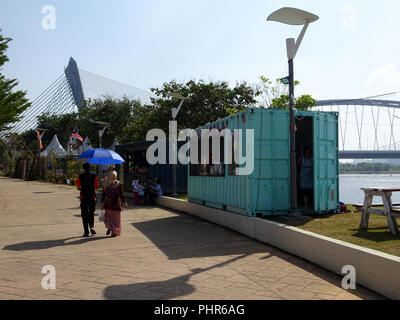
[[113, 200]]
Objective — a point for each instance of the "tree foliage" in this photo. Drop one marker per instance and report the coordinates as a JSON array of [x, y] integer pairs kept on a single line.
[[60, 125], [12, 102], [205, 102], [275, 95], [118, 113], [130, 121], [368, 168]]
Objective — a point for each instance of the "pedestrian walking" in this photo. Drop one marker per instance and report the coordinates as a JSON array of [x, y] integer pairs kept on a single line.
[[113, 200], [87, 183]]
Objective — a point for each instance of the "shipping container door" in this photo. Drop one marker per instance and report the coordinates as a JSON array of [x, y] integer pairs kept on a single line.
[[326, 162], [272, 162]]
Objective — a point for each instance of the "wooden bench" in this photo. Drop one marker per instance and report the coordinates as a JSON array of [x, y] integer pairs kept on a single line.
[[389, 212]]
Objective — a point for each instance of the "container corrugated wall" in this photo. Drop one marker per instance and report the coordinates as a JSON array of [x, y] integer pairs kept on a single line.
[[229, 192], [267, 190], [271, 177], [326, 169]]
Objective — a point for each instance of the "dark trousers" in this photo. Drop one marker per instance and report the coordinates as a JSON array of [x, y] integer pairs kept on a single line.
[[87, 212]]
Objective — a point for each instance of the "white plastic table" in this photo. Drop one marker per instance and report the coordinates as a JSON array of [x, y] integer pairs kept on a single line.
[[388, 211]]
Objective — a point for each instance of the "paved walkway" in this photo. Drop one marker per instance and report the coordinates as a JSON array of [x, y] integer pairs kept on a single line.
[[161, 255]]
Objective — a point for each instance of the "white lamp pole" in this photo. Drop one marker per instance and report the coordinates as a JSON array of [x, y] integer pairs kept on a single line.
[[175, 112], [101, 133], [293, 16]]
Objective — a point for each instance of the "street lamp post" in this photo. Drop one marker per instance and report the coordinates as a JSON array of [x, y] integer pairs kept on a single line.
[[175, 112], [293, 16], [101, 133]]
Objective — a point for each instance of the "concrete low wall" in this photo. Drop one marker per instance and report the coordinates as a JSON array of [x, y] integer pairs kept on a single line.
[[375, 270]]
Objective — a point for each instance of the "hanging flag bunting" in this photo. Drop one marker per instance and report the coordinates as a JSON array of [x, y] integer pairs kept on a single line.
[[75, 134], [39, 137]]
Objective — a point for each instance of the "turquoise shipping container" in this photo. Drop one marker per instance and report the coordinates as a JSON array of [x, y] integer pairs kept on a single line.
[[266, 191]]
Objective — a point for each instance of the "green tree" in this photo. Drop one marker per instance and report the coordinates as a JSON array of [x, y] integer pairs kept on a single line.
[[9, 148], [60, 125], [130, 121], [275, 95], [206, 102], [12, 102], [118, 113], [368, 168]]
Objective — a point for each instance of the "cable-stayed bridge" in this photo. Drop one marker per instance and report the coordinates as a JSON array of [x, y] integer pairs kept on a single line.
[[68, 93], [369, 128]]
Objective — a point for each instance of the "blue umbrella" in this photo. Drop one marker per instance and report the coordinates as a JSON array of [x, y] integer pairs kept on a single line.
[[101, 157]]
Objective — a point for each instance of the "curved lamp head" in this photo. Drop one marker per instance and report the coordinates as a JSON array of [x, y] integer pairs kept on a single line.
[[99, 122], [293, 16], [176, 96]]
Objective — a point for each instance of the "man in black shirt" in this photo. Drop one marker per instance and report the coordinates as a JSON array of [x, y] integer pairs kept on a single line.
[[87, 183]]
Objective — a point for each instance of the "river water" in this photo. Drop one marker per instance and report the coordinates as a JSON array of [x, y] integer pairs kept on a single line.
[[350, 186]]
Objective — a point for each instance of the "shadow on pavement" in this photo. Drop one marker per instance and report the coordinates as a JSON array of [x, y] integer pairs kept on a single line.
[[181, 237], [44, 192], [47, 244], [169, 289]]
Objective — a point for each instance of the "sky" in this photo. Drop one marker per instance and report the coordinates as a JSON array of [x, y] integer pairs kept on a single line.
[[350, 52]]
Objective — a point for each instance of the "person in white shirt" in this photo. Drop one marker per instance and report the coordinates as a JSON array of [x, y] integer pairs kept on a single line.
[[140, 189], [135, 187]]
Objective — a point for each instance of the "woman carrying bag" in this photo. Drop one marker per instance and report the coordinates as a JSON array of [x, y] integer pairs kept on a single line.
[[113, 200]]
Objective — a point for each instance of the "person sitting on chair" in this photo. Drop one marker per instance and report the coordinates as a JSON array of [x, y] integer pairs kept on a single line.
[[155, 190]]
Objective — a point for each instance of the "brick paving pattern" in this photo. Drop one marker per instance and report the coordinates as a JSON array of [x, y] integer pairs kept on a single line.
[[161, 255]]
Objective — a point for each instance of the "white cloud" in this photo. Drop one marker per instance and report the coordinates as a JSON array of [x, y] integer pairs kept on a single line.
[[387, 75], [348, 17]]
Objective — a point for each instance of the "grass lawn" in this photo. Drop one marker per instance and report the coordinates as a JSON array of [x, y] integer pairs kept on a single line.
[[345, 227], [182, 197]]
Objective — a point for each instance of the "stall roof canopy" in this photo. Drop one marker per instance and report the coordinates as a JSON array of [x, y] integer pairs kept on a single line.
[[86, 145], [54, 147]]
